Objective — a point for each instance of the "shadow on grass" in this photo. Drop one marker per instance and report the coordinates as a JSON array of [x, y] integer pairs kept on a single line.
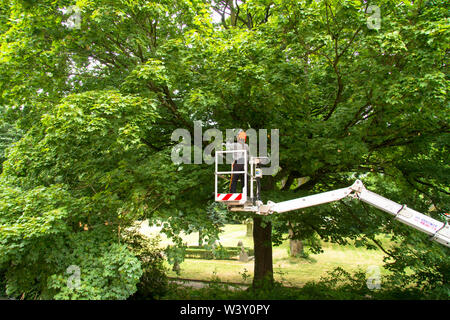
[[299, 259]]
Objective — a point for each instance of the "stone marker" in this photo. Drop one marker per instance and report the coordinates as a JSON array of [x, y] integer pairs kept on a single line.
[[243, 256]]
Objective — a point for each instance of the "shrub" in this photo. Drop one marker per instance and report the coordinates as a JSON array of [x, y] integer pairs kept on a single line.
[[339, 285], [105, 272], [153, 283], [2, 283]]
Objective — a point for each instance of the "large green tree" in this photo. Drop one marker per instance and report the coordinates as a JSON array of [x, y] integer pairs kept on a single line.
[[100, 101], [350, 101]]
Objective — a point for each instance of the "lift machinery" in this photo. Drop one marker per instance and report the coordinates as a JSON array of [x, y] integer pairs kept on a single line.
[[437, 230]]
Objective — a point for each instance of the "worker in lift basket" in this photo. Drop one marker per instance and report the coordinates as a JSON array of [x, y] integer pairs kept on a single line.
[[238, 160]]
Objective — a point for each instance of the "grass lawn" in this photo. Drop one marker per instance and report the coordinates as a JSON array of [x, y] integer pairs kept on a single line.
[[289, 270]]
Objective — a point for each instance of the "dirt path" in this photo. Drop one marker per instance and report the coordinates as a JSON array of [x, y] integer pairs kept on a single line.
[[204, 283]]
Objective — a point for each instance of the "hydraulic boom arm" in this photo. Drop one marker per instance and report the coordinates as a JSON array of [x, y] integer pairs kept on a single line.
[[437, 230]]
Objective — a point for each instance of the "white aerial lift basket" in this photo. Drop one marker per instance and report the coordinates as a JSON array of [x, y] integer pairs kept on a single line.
[[231, 198]]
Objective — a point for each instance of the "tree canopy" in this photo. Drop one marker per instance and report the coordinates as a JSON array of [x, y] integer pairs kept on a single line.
[[88, 110]]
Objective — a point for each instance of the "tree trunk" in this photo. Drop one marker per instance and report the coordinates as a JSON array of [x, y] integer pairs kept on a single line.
[[200, 238], [262, 239], [249, 229], [296, 246]]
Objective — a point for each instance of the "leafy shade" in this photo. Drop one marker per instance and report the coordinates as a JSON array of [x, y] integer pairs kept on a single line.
[[55, 215]]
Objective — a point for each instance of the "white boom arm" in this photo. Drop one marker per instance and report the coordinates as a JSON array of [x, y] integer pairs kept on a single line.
[[438, 231]]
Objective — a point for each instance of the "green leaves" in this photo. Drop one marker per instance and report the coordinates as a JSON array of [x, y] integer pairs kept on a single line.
[[82, 157], [27, 215], [97, 106], [9, 134], [107, 272]]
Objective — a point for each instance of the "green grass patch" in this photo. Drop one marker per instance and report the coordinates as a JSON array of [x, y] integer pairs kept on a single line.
[[290, 271]]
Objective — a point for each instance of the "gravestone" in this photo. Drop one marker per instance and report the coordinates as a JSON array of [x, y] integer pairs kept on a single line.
[[243, 256]]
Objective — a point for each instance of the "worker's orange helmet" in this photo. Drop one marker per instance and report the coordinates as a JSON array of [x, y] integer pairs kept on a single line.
[[242, 136]]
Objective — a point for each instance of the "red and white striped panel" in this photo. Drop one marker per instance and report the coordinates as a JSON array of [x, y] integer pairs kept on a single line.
[[228, 196]]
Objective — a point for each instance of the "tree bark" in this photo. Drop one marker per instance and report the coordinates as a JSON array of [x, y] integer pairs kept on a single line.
[[200, 238], [296, 246], [262, 239], [249, 229]]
